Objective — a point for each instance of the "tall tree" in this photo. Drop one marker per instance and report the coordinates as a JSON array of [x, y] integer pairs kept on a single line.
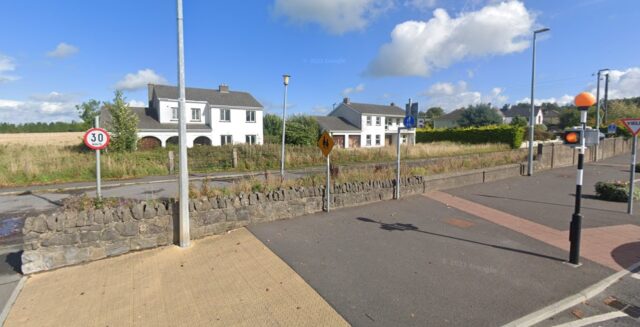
[[124, 124], [479, 115], [272, 126], [88, 111], [434, 112], [302, 130]]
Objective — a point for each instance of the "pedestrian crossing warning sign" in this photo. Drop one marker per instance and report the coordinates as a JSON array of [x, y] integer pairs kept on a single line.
[[325, 143]]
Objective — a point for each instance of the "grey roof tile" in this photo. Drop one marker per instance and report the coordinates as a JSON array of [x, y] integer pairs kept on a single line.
[[375, 109], [332, 123], [213, 97]]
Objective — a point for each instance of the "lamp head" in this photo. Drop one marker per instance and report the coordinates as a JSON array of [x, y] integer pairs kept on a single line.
[[542, 30], [285, 79], [584, 100]]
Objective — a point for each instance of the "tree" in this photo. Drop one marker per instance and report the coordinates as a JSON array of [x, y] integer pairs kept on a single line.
[[519, 121], [479, 115], [302, 130], [569, 118], [434, 112], [272, 126], [88, 111], [124, 124]]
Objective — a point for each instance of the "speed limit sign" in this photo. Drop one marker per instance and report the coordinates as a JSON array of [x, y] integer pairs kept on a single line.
[[96, 138]]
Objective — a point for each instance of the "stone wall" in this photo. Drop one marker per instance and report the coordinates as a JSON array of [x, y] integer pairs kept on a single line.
[[70, 236]]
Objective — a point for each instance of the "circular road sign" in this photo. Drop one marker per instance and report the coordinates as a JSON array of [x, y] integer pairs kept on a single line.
[[409, 122], [96, 138]]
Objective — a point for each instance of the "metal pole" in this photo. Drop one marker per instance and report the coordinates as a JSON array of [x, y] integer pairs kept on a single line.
[[398, 166], [606, 96], [284, 124], [532, 117], [598, 102], [182, 132], [328, 192], [576, 219], [632, 175], [98, 172]]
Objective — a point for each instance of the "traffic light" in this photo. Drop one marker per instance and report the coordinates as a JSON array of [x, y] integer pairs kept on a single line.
[[572, 137]]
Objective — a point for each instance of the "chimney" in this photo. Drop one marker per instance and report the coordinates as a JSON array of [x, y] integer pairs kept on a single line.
[[223, 88], [393, 104], [346, 101]]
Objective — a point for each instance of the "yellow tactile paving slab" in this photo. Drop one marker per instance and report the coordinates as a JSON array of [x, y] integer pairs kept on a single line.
[[229, 280]]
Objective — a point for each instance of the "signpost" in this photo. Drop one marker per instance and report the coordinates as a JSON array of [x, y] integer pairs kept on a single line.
[[326, 143], [612, 129], [633, 125], [409, 122], [97, 139]]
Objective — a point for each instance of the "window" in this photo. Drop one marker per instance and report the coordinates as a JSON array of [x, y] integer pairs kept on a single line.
[[368, 120], [225, 115], [377, 139], [226, 139], [251, 116], [174, 113], [378, 120], [195, 114], [368, 140], [250, 139]]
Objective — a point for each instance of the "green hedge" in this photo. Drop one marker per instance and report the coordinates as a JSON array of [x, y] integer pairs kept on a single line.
[[615, 191], [512, 135]]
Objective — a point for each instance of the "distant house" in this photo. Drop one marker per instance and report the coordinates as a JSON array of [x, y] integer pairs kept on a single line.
[[354, 125], [520, 111], [215, 117], [449, 120], [551, 117]]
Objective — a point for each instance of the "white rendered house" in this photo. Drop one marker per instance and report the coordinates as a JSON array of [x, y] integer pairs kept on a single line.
[[215, 117], [354, 125]]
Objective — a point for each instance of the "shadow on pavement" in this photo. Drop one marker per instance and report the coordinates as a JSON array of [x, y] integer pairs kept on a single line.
[[411, 227], [627, 255], [14, 260], [550, 203]]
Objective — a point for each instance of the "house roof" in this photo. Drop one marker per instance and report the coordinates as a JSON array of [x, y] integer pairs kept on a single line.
[[551, 113], [454, 115], [519, 112], [375, 109], [212, 96], [146, 122], [332, 123]]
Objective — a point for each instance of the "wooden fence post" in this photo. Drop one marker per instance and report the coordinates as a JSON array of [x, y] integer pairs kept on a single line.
[[235, 158]]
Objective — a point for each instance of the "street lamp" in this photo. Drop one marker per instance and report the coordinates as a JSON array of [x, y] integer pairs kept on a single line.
[[598, 122], [532, 123], [182, 132], [285, 80]]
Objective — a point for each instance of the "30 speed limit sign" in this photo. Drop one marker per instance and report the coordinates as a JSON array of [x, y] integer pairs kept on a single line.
[[96, 138]]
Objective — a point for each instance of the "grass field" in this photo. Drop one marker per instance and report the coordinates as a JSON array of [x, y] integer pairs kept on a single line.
[[58, 139], [61, 158]]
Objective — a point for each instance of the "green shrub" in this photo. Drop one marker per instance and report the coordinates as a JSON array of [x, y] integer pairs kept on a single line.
[[615, 191], [511, 135]]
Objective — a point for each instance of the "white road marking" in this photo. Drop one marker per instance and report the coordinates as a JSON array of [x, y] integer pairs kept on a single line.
[[594, 319]]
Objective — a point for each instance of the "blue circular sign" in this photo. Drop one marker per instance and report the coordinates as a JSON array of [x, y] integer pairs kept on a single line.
[[409, 122]]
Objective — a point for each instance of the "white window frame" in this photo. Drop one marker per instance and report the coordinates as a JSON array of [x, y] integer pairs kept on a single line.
[[377, 139], [225, 115], [175, 113], [226, 139], [378, 121], [251, 139], [368, 140], [368, 118], [199, 115], [250, 116]]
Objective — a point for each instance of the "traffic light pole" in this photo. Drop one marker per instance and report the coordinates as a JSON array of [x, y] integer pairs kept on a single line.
[[576, 219]]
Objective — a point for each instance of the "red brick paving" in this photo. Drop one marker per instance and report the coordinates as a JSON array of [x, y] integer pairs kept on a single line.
[[616, 247]]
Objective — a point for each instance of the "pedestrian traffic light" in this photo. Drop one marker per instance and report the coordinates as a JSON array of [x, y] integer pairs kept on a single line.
[[572, 137]]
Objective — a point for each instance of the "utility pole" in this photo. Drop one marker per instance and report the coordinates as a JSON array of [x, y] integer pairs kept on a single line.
[[182, 135], [606, 96], [532, 123]]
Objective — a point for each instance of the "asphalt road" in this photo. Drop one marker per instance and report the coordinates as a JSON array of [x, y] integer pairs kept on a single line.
[[416, 262]]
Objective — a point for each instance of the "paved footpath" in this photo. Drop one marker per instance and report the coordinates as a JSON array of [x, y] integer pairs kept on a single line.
[[229, 280]]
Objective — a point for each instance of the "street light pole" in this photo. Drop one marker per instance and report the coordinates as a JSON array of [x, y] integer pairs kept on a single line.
[[606, 96], [285, 79], [182, 135], [532, 122]]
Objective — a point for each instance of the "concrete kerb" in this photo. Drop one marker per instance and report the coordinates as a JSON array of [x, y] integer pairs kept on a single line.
[[12, 300], [568, 302]]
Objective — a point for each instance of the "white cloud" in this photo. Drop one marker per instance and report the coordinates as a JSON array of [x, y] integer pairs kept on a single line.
[[139, 80], [417, 48], [353, 90], [561, 101], [451, 96], [63, 50], [622, 84], [421, 4], [7, 64], [39, 108], [336, 16], [136, 103]]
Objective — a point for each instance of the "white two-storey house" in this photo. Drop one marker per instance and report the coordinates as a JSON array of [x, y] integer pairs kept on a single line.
[[215, 117], [354, 125]]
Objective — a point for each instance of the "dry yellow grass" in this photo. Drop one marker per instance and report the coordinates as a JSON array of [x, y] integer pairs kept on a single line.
[[61, 139]]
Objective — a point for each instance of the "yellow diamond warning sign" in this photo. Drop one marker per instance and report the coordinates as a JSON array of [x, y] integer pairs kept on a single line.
[[325, 143]]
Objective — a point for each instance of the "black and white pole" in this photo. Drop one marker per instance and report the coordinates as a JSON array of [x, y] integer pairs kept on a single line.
[[632, 175], [576, 219], [98, 172]]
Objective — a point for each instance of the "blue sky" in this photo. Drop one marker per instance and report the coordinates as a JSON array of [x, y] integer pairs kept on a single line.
[[55, 54]]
